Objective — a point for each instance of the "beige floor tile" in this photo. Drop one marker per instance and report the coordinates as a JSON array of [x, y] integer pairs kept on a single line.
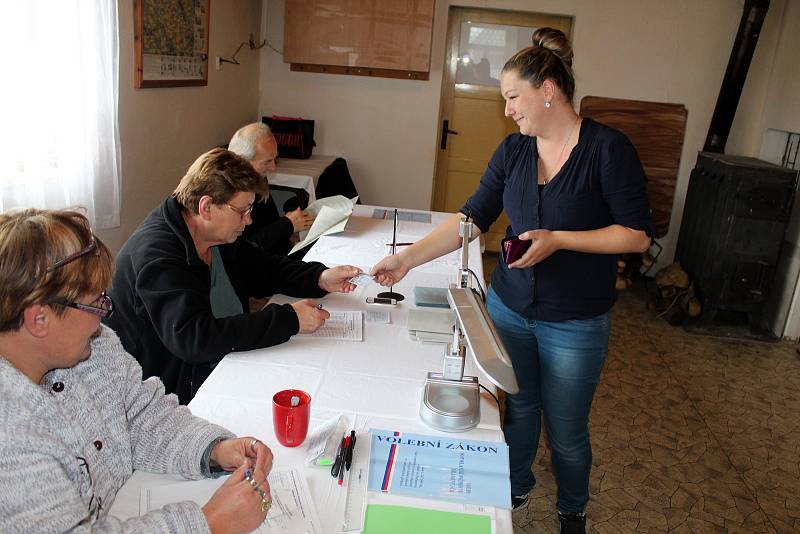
[[689, 434], [675, 517], [651, 519]]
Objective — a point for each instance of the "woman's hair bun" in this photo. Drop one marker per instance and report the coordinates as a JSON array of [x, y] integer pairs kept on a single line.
[[550, 57], [554, 41]]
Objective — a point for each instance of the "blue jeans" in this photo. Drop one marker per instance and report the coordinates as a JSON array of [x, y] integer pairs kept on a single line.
[[558, 366]]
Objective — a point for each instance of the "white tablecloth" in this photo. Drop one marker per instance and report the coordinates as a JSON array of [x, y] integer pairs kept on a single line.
[[377, 382], [301, 173]]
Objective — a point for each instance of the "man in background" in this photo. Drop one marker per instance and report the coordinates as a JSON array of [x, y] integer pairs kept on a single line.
[[271, 231]]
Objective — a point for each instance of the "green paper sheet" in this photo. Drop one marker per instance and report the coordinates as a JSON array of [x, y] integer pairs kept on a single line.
[[387, 519]]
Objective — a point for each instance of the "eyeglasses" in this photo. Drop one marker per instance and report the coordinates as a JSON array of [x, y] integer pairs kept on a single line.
[[104, 310], [91, 247], [241, 211]]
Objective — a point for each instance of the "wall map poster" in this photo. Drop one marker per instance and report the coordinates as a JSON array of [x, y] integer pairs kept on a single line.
[[171, 42]]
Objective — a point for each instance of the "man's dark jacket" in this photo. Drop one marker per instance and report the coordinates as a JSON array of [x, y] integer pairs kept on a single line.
[[163, 309], [269, 229]]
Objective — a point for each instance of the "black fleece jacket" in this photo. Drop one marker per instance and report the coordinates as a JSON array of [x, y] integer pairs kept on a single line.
[[162, 305], [269, 230]]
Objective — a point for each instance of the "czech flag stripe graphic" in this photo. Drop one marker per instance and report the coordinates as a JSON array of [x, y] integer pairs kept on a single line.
[[389, 472]]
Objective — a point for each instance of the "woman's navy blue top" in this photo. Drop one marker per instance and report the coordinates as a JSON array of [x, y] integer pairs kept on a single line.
[[601, 183]]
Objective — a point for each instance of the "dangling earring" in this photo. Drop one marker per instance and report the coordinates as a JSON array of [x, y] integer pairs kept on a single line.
[[547, 104]]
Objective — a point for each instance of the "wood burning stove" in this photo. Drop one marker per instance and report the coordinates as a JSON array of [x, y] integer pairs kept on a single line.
[[734, 222]]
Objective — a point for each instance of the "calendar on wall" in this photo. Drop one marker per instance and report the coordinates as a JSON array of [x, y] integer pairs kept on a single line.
[[171, 42]]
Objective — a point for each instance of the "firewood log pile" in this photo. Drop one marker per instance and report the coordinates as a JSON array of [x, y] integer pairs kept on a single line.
[[674, 297]]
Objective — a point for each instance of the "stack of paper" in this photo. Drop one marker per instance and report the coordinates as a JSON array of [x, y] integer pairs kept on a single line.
[[431, 326], [292, 512], [431, 297], [384, 519]]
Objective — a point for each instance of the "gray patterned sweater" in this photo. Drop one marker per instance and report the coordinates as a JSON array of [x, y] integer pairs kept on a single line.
[[69, 444]]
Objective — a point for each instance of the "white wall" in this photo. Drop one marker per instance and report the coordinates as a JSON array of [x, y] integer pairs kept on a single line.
[[640, 49], [782, 109], [771, 99], [163, 130], [764, 100], [653, 50]]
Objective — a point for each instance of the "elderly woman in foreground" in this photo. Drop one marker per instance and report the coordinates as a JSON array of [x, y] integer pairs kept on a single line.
[[76, 418]]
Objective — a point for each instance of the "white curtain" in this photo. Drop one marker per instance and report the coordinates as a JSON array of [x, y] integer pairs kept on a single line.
[[59, 138]]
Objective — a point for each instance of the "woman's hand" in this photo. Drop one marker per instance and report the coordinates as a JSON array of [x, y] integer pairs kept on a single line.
[[613, 239], [544, 243], [337, 279], [232, 453], [390, 270], [237, 505]]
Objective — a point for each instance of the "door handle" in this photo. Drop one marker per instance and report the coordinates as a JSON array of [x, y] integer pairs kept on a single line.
[[445, 131]]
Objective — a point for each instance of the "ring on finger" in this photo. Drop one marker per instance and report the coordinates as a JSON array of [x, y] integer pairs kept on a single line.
[[253, 445], [257, 488], [265, 505]]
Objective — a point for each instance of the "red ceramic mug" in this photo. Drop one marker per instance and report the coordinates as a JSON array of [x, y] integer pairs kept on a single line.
[[291, 422]]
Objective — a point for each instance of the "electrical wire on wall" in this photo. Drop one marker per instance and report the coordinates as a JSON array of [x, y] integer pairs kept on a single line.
[[233, 61], [265, 28]]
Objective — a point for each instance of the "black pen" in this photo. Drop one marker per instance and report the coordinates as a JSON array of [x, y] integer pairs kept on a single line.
[[344, 455], [348, 458], [337, 464]]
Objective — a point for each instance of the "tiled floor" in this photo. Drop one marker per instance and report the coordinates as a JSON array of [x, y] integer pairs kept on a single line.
[[690, 434]]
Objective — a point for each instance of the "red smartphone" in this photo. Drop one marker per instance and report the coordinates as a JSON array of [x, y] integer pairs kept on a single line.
[[513, 248]]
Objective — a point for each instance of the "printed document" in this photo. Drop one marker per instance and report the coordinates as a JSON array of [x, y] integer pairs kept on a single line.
[[378, 316], [440, 467], [344, 325], [292, 509], [330, 216]]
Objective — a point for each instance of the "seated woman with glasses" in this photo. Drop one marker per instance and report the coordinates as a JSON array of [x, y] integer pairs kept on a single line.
[[183, 279], [76, 418]]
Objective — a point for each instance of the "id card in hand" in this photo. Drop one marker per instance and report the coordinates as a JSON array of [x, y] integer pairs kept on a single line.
[[361, 279]]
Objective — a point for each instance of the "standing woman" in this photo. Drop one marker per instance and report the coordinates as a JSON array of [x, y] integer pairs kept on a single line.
[[577, 191]]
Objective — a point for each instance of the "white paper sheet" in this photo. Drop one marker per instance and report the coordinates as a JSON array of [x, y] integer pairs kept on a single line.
[[292, 509], [323, 441], [378, 316], [337, 202], [330, 216], [344, 325]]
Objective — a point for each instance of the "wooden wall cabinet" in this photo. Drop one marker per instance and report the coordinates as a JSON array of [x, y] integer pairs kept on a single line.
[[388, 38]]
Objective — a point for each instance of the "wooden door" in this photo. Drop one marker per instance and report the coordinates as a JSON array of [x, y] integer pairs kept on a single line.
[[479, 41]]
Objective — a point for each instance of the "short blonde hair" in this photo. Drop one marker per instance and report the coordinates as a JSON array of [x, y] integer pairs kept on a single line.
[[33, 246], [220, 174]]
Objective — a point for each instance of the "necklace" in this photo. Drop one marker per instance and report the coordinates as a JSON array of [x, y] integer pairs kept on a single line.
[[560, 154]]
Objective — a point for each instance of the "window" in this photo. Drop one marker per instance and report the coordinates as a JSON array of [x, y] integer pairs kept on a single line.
[[484, 48], [59, 138]]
